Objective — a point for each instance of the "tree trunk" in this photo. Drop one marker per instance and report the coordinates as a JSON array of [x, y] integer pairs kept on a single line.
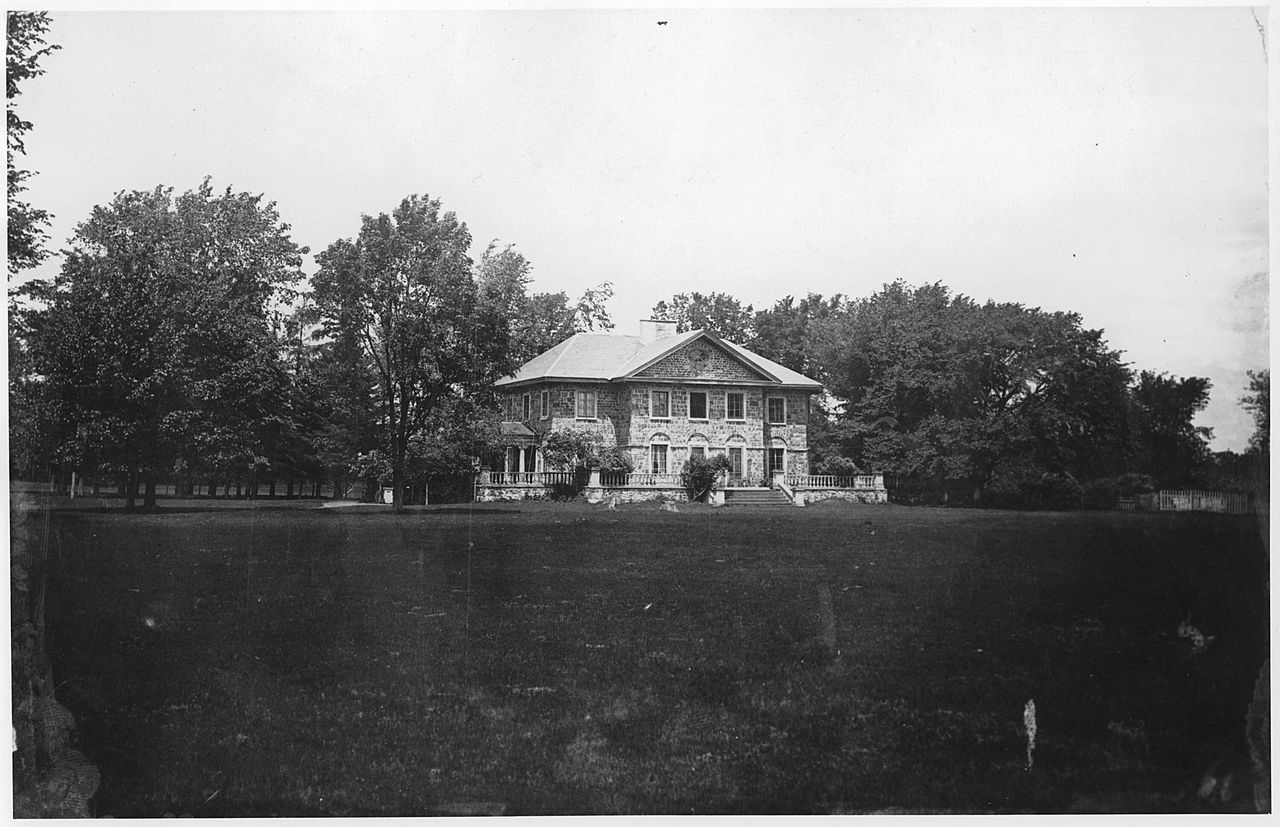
[[149, 497], [397, 479], [238, 488], [288, 489], [271, 490], [129, 484]]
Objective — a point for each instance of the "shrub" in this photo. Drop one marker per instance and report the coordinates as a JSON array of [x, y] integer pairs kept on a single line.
[[616, 459], [1028, 486], [837, 466], [700, 475]]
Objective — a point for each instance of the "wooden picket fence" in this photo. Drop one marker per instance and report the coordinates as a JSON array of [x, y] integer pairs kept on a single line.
[[1220, 502]]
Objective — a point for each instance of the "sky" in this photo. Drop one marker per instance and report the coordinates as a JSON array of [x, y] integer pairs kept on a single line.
[[1107, 161]]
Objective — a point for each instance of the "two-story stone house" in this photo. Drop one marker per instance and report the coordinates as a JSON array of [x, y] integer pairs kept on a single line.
[[663, 397]]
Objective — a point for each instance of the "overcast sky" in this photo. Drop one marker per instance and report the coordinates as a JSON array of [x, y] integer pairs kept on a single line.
[[1113, 162]]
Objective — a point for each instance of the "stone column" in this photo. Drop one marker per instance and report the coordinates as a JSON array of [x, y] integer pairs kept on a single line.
[[595, 492]]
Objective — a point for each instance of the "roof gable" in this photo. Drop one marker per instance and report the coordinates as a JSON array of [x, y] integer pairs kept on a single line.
[[610, 356], [702, 356]]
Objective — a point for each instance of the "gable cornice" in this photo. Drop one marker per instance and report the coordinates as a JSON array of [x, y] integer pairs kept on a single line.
[[704, 334]]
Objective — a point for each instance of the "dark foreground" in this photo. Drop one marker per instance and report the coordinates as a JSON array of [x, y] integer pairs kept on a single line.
[[535, 658]]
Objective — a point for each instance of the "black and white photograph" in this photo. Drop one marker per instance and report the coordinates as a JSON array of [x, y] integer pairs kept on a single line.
[[639, 411]]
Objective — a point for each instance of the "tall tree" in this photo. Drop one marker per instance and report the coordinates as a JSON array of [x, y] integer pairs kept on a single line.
[[405, 290], [719, 313], [544, 320], [938, 385], [26, 48], [1168, 444], [156, 341], [799, 334], [29, 438], [1258, 404]]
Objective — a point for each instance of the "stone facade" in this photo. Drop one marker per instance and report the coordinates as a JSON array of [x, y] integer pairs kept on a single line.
[[850, 494], [628, 413]]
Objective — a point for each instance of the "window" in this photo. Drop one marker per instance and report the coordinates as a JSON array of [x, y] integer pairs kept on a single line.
[[777, 410], [734, 406], [697, 405], [586, 404], [735, 461], [545, 403], [659, 404], [777, 460], [658, 458], [527, 408], [697, 451]]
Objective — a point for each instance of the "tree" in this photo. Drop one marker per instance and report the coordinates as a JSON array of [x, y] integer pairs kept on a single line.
[[405, 290], [1168, 444], [156, 341], [939, 386], [26, 48], [1258, 404], [544, 320], [29, 438], [799, 334], [719, 313]]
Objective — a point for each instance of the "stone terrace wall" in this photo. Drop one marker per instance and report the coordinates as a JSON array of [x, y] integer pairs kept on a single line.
[[813, 495]]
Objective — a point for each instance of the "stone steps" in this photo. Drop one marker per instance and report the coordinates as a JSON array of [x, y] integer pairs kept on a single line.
[[755, 496]]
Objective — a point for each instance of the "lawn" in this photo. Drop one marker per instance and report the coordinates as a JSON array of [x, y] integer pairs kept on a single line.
[[539, 658]]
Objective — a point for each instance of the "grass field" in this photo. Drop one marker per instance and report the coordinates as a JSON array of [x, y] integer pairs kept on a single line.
[[560, 658]]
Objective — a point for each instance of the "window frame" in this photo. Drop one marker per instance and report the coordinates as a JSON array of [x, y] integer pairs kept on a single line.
[[768, 405], [652, 394], [653, 457], [728, 415], [697, 451], [544, 404], [738, 469], [705, 406], [526, 406], [578, 396]]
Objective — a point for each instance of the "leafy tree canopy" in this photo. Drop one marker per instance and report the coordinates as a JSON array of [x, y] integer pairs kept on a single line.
[[719, 313], [26, 48], [156, 342]]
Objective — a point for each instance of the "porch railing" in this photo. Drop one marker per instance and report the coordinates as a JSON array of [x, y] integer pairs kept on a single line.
[[872, 481], [638, 479], [527, 477]]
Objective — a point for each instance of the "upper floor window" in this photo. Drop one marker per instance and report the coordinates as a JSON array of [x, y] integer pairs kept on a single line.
[[777, 410], [544, 400], [735, 406], [586, 404], [527, 408], [659, 404], [697, 405]]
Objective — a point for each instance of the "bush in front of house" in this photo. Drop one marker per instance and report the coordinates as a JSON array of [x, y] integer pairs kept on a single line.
[[617, 460], [837, 466], [700, 475]]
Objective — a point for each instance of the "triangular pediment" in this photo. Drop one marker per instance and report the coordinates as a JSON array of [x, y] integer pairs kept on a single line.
[[704, 357]]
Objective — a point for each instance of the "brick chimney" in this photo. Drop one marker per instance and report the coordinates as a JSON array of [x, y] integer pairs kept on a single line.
[[651, 329]]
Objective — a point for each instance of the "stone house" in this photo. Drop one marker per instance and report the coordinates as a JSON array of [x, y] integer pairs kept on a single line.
[[663, 397]]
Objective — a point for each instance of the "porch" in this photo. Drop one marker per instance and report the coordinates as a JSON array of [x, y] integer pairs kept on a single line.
[[636, 486]]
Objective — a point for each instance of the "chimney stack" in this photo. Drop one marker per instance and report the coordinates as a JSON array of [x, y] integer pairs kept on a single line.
[[651, 329]]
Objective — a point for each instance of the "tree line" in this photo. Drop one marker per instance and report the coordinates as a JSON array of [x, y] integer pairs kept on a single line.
[[991, 402], [180, 341]]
